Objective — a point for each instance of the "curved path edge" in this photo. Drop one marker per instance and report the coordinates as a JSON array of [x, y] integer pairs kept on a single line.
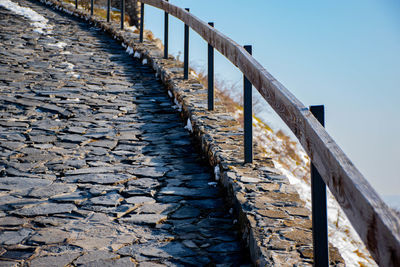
[[273, 219]]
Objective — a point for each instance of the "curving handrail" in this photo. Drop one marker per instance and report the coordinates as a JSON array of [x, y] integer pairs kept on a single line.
[[376, 225]]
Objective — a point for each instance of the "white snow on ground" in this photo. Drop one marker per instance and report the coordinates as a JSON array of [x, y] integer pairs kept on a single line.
[[292, 161], [189, 126], [38, 21], [58, 44]]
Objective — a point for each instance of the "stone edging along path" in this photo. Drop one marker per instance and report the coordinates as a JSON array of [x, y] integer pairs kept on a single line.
[[273, 219]]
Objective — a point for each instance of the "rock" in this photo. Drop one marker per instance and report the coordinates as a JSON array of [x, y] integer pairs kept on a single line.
[[246, 179], [189, 192], [151, 219], [92, 170], [57, 260], [19, 183], [94, 256], [49, 236], [153, 172], [111, 199], [185, 213], [45, 209], [275, 214], [74, 197], [52, 190], [98, 178], [140, 200], [14, 237], [144, 183], [157, 208], [11, 221], [121, 262]]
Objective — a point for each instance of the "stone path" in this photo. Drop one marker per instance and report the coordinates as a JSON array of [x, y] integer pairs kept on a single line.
[[96, 168]]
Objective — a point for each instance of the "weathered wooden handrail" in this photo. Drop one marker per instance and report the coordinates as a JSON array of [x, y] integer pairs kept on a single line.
[[374, 222]]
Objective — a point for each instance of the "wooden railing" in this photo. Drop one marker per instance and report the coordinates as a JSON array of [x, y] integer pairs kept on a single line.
[[376, 225]]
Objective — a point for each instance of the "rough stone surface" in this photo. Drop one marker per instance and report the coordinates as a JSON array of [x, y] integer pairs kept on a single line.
[[90, 146]]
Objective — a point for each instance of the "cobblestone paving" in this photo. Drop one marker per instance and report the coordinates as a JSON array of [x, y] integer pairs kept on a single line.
[[96, 168]]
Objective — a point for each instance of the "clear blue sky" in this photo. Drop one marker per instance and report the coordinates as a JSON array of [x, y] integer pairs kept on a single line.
[[343, 54]]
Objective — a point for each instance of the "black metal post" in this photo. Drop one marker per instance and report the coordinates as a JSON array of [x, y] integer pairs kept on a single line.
[[319, 209], [91, 7], [166, 34], [248, 115], [210, 74], [122, 13], [76, 4], [186, 52], [141, 22], [108, 10]]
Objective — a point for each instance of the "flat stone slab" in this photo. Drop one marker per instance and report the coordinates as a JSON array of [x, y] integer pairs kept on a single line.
[[97, 178], [45, 209], [151, 219], [111, 199], [52, 190], [190, 192], [14, 237], [152, 172], [49, 236], [56, 260], [20, 183], [140, 200]]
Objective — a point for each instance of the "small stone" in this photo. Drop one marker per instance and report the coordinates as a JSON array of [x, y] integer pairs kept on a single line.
[[189, 244], [275, 214], [14, 237], [19, 183], [52, 190], [295, 211], [94, 256], [111, 199], [154, 172], [302, 236], [246, 179], [144, 182], [45, 209], [49, 236], [11, 221], [140, 200], [151, 219], [157, 208], [185, 213], [56, 260], [121, 262]]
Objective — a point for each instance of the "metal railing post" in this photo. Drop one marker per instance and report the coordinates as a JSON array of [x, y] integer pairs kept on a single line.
[[319, 209], [248, 115], [141, 22], [76, 4], [108, 10], [122, 13], [210, 74], [166, 34], [186, 52], [91, 7]]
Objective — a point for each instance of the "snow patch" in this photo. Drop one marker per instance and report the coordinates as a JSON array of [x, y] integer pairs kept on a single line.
[[216, 172], [129, 50], [38, 21], [60, 45], [189, 126]]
